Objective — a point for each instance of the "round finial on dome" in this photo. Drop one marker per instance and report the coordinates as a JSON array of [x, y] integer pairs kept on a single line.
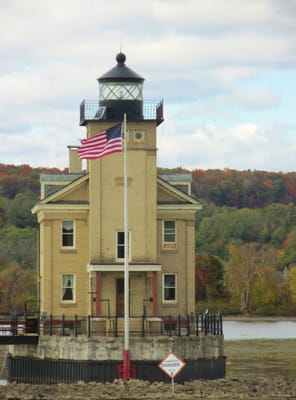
[[120, 58]]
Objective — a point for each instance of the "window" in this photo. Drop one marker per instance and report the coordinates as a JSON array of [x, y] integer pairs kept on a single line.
[[68, 288], [169, 234], [169, 287], [120, 246], [67, 233]]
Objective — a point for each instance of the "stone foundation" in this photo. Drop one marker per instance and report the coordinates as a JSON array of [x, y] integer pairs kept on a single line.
[[70, 359], [110, 348]]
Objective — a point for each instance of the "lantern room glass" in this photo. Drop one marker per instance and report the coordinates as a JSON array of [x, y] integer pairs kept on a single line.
[[121, 91]]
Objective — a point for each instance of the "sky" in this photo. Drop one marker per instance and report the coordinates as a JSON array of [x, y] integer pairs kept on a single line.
[[225, 69]]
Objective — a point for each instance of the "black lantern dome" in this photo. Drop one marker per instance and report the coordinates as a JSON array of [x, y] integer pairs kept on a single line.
[[121, 91]]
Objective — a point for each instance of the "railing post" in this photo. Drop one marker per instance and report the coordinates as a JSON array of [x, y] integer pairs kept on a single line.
[[14, 324], [116, 326], [143, 326], [170, 325], [206, 324], [188, 325], [179, 325], [88, 326], [50, 325], [75, 325], [197, 324], [63, 325]]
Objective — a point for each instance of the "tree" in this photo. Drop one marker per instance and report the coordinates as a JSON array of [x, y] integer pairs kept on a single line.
[[20, 209], [209, 277], [292, 282], [288, 250], [16, 286], [246, 264], [19, 245]]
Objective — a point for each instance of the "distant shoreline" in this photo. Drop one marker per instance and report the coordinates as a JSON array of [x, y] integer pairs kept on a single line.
[[251, 318]]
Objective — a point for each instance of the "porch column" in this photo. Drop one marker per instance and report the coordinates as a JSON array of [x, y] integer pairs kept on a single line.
[[98, 294], [154, 294]]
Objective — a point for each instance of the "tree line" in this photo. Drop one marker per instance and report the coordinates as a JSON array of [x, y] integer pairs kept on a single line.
[[19, 191], [245, 239]]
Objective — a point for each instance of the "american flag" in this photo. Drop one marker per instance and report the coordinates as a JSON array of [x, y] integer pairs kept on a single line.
[[101, 144]]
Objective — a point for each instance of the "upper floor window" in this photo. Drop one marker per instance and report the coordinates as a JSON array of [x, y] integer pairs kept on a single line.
[[68, 233], [120, 246], [169, 282], [169, 240], [68, 288]]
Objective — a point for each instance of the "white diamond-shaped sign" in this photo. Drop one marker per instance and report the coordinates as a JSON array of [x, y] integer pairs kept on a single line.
[[171, 365]]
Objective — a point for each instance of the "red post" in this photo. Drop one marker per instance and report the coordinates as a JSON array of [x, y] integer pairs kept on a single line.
[[126, 365]]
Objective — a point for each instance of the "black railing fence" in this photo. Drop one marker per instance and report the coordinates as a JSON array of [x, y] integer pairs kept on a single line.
[[43, 324]]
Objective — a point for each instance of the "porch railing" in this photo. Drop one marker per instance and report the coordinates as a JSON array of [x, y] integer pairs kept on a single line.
[[191, 324]]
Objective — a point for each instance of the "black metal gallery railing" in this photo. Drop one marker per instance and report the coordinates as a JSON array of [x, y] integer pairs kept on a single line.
[[43, 324], [90, 110]]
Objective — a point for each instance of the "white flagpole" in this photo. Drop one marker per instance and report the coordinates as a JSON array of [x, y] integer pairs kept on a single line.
[[126, 352]]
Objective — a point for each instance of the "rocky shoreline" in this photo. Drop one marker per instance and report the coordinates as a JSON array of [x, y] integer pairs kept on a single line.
[[228, 388]]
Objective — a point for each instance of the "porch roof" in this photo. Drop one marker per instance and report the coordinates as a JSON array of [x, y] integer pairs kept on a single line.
[[119, 267]]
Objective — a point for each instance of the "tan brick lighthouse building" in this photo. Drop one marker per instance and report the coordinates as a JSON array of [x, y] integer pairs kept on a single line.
[[81, 218]]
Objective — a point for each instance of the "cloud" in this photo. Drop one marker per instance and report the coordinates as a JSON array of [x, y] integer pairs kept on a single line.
[[243, 146], [208, 59]]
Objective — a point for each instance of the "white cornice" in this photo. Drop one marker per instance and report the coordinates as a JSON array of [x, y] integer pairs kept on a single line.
[[60, 207], [94, 267], [177, 207]]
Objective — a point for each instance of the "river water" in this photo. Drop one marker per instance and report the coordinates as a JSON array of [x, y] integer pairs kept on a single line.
[[265, 329], [259, 348], [265, 348]]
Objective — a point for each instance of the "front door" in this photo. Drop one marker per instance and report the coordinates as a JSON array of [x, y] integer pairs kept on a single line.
[[120, 297]]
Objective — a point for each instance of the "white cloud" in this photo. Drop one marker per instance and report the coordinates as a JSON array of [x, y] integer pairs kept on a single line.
[[204, 58], [244, 146]]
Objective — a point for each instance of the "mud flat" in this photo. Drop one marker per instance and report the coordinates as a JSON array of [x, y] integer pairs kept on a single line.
[[229, 388], [256, 369]]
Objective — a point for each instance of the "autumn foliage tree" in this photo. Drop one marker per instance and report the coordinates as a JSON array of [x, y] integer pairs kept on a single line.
[[16, 286], [208, 277], [248, 266]]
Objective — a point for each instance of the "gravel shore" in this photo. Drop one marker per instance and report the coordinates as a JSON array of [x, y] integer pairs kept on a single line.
[[229, 388]]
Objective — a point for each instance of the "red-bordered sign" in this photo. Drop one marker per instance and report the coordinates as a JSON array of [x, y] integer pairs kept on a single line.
[[171, 365]]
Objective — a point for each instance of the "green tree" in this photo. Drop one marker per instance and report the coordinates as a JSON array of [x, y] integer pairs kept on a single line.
[[3, 211], [292, 282], [16, 286], [19, 245], [209, 277], [288, 251], [246, 264], [20, 209]]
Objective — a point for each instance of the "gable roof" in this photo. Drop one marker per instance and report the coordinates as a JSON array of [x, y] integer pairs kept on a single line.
[[68, 195], [168, 196]]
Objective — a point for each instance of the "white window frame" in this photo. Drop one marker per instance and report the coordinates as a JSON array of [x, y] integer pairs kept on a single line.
[[73, 234], [64, 287], [169, 244], [122, 245], [164, 287]]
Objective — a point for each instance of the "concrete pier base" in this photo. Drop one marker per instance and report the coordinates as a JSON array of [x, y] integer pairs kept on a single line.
[[70, 359]]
